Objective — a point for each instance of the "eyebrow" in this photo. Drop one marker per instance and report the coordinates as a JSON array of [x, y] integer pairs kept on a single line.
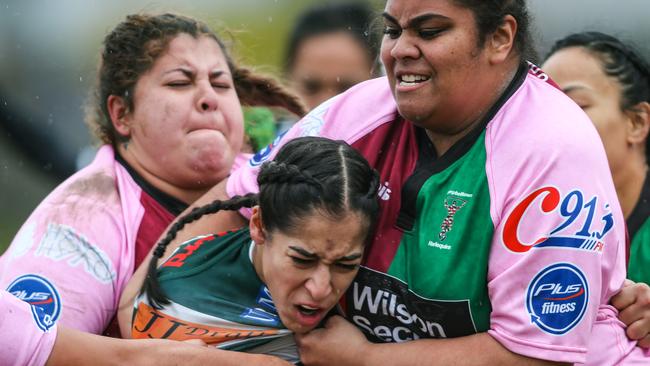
[[415, 21], [309, 255], [571, 88], [189, 73]]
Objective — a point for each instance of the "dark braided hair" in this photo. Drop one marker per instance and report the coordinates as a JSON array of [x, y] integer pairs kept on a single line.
[[308, 174], [489, 15], [619, 61]]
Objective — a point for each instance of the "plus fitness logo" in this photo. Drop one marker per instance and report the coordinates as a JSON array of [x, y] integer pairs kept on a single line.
[[582, 224], [557, 298], [41, 294]]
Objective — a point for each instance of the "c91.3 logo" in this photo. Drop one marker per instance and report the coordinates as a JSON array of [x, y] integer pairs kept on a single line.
[[577, 228]]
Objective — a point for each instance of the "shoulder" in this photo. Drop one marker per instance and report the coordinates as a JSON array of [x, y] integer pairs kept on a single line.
[[351, 114]]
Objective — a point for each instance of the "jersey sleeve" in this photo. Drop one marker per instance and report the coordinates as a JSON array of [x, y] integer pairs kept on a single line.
[[558, 252], [347, 117], [73, 255], [25, 338]]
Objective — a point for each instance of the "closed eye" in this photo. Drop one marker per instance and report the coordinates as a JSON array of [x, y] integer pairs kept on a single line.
[[302, 262], [392, 32], [429, 33], [347, 266]]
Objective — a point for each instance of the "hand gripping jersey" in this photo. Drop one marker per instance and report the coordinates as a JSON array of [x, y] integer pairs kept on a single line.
[[516, 230], [77, 250], [25, 338], [216, 296], [638, 225]]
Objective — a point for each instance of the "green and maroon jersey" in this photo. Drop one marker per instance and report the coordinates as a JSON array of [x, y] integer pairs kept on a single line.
[[215, 295], [515, 230]]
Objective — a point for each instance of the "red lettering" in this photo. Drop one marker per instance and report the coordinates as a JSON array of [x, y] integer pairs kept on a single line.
[[548, 204], [179, 258]]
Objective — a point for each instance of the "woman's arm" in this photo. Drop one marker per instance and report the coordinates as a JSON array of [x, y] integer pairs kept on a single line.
[[340, 335], [76, 348], [221, 221]]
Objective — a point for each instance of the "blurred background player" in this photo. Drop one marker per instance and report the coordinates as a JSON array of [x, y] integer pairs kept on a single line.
[[610, 81]]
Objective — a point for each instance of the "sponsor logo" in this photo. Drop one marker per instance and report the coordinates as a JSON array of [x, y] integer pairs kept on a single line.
[[453, 203], [384, 191], [265, 313], [264, 154], [152, 323], [557, 298], [62, 242], [42, 295], [537, 71], [582, 225], [387, 311]]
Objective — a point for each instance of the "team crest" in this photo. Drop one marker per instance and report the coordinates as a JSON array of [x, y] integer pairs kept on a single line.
[[452, 204]]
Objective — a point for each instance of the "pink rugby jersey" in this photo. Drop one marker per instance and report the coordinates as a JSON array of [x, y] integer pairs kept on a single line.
[[26, 339], [515, 231], [77, 250]]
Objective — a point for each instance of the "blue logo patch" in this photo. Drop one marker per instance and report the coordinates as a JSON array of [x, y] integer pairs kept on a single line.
[[264, 154], [557, 298], [41, 294], [264, 313]]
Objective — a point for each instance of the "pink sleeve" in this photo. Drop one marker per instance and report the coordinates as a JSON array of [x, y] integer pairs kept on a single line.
[[347, 117], [25, 337], [74, 254], [558, 250]]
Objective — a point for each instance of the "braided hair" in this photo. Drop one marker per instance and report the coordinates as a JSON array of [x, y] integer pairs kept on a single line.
[[619, 61], [308, 174]]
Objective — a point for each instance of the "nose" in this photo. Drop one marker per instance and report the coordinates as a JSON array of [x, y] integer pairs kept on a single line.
[[207, 99], [319, 284], [403, 47]]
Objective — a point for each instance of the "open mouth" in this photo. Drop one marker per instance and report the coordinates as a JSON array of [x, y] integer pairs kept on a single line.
[[307, 310], [411, 79]]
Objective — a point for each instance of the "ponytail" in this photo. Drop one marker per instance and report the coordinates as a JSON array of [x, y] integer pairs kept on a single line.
[[151, 287], [259, 90]]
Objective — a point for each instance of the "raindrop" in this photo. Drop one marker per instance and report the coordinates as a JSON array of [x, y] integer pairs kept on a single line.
[[37, 97], [338, 79], [81, 79], [270, 19]]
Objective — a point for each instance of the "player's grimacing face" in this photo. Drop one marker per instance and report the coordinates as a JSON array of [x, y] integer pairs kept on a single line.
[[309, 269]]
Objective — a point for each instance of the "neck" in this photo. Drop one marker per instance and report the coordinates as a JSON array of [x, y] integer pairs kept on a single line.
[[481, 102], [629, 184], [257, 261], [186, 195]]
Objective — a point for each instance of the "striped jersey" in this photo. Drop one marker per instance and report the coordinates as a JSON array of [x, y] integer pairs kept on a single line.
[[215, 295]]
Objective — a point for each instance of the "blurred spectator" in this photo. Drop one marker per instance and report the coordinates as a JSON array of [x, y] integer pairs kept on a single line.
[[610, 81], [330, 49]]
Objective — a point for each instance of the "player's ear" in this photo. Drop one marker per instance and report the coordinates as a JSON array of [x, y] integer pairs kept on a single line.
[[256, 227]]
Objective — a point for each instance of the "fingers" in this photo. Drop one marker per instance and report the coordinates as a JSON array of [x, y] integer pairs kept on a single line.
[[645, 342], [637, 330], [632, 294], [626, 296]]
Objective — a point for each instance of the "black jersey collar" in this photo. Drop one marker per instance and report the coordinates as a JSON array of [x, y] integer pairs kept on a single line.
[[429, 163]]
